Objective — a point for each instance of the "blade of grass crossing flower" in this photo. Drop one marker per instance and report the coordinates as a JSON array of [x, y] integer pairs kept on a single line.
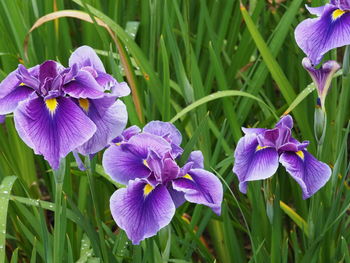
[[5, 189], [215, 96]]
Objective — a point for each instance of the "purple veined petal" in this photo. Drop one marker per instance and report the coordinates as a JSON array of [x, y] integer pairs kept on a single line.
[[319, 35], [269, 138], [253, 130], [196, 157], [85, 56], [120, 89], [27, 77], [130, 132], [286, 121], [141, 143], [201, 187], [49, 69], [8, 84], [185, 169], [53, 127], [9, 103], [318, 11], [141, 209], [322, 77], [253, 162], [342, 4], [109, 83], [124, 165], [110, 123], [306, 170], [170, 171], [155, 164], [177, 196], [84, 86], [164, 129]]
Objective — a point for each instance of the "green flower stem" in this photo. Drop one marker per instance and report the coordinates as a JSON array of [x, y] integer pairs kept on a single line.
[[58, 243], [90, 172]]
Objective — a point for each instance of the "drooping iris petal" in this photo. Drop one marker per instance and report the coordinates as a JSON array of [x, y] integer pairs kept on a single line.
[[253, 130], [141, 209], [84, 85], [201, 187], [253, 162], [322, 77], [306, 170], [196, 157], [319, 35], [85, 56], [109, 120], [164, 129], [52, 128], [9, 103]]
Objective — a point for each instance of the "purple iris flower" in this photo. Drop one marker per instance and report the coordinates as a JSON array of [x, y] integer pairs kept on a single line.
[[322, 77], [328, 31], [57, 110], [260, 151], [156, 185]]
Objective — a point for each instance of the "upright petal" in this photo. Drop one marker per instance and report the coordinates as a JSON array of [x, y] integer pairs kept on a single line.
[[84, 85], [319, 35], [306, 170], [201, 187], [109, 83], [342, 4], [285, 121], [164, 129], [322, 77], [53, 128], [110, 123], [253, 162], [318, 11], [196, 157], [85, 56], [142, 210]]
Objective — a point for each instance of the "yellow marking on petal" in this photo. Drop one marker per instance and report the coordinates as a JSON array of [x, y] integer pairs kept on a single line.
[[300, 154], [258, 148], [145, 163], [147, 189], [51, 105], [22, 84], [84, 104], [337, 13], [118, 143], [187, 176]]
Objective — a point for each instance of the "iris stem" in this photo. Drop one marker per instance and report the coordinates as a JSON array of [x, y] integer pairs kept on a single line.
[[90, 171], [58, 243]]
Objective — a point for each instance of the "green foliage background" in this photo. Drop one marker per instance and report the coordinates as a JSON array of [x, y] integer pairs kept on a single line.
[[210, 67]]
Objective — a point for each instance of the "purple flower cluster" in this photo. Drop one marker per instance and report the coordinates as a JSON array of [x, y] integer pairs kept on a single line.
[[260, 151], [57, 110], [156, 185]]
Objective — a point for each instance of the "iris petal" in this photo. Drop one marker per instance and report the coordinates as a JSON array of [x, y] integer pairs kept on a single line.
[[53, 135], [306, 170], [252, 163], [140, 215]]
